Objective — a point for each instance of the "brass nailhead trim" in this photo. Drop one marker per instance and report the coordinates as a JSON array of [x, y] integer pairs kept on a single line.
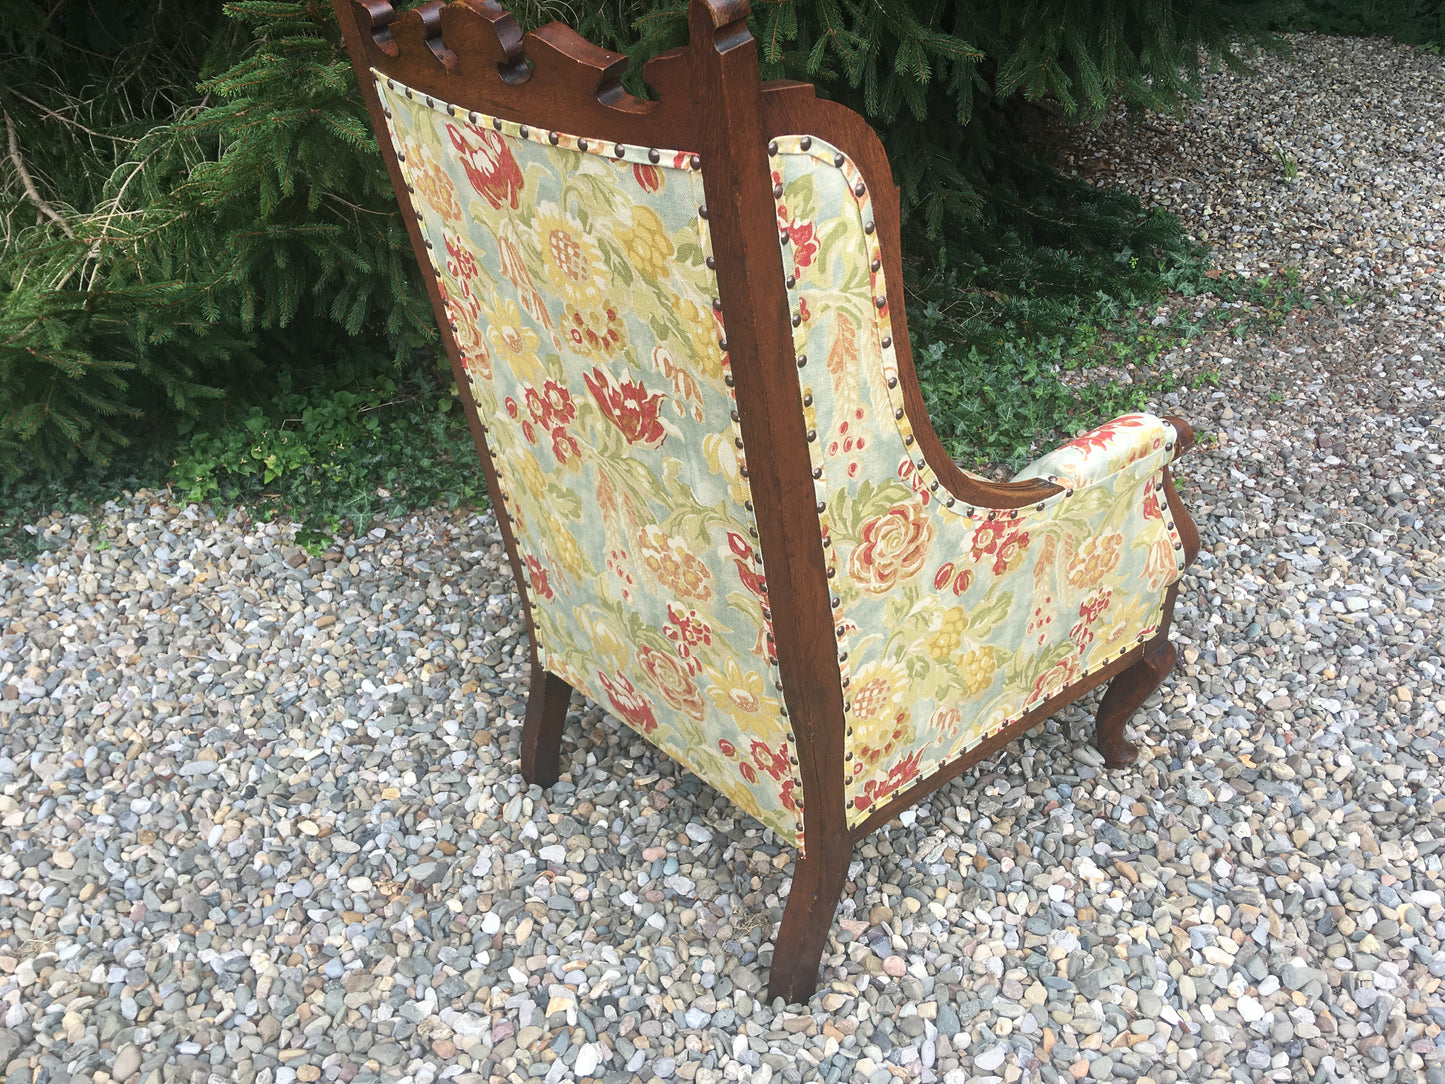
[[653, 156]]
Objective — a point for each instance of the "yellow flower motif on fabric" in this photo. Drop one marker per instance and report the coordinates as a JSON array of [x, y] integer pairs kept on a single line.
[[1097, 556], [432, 183], [594, 332], [977, 669], [534, 482], [943, 643], [571, 259], [671, 561], [604, 639], [703, 335], [722, 458], [741, 694], [570, 556], [880, 710], [647, 244], [512, 340]]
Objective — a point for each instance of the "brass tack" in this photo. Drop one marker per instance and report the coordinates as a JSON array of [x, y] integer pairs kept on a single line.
[[748, 505], [695, 162], [619, 150], [840, 630], [728, 380], [400, 157], [451, 110], [797, 318], [806, 142], [717, 304], [792, 281], [582, 144], [836, 601], [868, 227], [653, 156], [950, 502], [772, 146], [777, 191], [881, 302], [876, 265], [754, 532], [838, 160], [808, 400], [738, 441], [702, 212], [552, 138], [818, 474], [782, 238], [735, 415], [842, 656], [722, 345], [1040, 506], [921, 462], [497, 123], [812, 435], [859, 189], [744, 472], [898, 414], [802, 360], [933, 485], [822, 507], [429, 102], [887, 341], [892, 382], [908, 440], [711, 264], [474, 117]]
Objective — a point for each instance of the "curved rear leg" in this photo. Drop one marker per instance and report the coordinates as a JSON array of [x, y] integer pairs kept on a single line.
[[808, 917], [1129, 689], [547, 701]]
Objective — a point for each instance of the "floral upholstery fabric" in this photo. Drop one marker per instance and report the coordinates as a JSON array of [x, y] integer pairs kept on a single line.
[[951, 621], [574, 274]]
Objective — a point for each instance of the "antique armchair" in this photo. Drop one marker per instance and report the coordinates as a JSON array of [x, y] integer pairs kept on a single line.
[[678, 332]]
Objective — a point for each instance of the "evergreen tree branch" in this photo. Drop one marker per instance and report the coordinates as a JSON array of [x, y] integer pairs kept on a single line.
[[28, 181]]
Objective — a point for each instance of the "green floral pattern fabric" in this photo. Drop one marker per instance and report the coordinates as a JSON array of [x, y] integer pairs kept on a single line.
[[575, 277], [951, 621]]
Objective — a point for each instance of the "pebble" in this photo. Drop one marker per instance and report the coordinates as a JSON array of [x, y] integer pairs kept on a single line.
[[262, 819]]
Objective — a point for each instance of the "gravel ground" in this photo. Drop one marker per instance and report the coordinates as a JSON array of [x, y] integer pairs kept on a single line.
[[262, 821]]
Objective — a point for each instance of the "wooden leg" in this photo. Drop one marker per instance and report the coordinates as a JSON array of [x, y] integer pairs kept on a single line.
[[812, 901], [1126, 692], [547, 702]]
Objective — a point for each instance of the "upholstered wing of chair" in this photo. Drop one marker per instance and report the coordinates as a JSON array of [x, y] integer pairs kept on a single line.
[[677, 330]]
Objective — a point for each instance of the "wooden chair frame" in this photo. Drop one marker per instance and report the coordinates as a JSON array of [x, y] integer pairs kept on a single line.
[[709, 97]]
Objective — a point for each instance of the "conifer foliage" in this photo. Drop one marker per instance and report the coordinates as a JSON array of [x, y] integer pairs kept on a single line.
[[182, 185], [176, 191]]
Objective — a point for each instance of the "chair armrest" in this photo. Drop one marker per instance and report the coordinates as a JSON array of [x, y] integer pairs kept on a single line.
[[1101, 453]]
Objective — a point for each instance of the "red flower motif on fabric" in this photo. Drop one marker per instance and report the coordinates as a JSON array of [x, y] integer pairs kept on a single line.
[[538, 575], [961, 578], [489, 164], [628, 704], [1010, 552], [461, 261], [672, 681], [893, 547], [800, 236], [899, 775], [649, 178], [1151, 501], [687, 630], [772, 761], [629, 408]]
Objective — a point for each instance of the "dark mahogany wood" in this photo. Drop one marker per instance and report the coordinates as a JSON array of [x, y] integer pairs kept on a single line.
[[709, 101], [547, 701]]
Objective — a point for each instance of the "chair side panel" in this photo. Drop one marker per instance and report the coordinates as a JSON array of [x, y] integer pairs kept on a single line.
[[576, 276], [951, 621]]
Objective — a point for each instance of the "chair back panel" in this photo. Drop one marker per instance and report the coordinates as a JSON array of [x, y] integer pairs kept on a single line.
[[576, 277], [952, 621]]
